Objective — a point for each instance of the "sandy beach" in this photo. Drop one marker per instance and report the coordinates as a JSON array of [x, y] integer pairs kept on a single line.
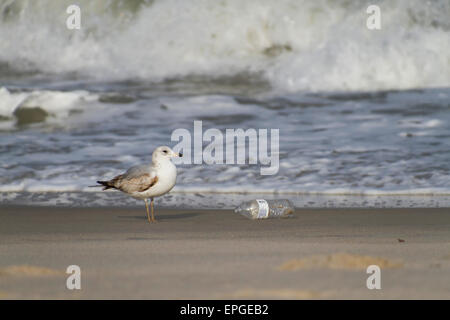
[[207, 254], [340, 107]]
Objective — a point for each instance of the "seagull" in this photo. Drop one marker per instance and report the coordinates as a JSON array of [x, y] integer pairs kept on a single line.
[[147, 181]]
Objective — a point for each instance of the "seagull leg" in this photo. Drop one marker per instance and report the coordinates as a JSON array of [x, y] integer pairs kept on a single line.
[[148, 214], [151, 206]]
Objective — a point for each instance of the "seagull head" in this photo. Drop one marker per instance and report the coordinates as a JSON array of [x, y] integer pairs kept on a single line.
[[164, 153]]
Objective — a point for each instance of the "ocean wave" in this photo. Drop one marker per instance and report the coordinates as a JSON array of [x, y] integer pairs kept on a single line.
[[295, 45], [70, 186], [396, 146], [36, 106]]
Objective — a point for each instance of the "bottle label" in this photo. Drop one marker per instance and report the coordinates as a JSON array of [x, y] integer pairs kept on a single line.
[[263, 209]]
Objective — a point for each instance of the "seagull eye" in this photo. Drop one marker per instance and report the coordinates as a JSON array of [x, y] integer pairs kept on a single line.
[[165, 151]]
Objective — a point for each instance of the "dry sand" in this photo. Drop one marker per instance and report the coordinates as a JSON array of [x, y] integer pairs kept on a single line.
[[218, 254]]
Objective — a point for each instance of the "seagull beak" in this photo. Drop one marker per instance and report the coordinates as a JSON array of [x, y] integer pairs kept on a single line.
[[178, 155]]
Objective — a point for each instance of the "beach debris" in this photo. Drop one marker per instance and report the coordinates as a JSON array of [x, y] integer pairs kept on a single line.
[[400, 240], [265, 209]]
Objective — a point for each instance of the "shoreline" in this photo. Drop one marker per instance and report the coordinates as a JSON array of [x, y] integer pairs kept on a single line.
[[213, 201], [218, 254]]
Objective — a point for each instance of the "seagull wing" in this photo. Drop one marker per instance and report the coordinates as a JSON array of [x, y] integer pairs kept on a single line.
[[136, 179]]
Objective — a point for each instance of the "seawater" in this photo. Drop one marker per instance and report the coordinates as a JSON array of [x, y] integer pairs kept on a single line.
[[363, 115]]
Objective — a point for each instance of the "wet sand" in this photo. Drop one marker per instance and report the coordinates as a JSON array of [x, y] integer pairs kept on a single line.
[[217, 254]]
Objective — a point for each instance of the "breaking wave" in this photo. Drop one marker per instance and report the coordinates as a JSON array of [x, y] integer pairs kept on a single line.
[[295, 45]]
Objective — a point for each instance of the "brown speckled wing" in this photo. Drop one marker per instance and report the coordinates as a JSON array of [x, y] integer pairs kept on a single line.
[[139, 183]]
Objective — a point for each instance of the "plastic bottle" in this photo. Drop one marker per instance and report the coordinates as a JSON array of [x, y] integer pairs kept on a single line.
[[265, 209]]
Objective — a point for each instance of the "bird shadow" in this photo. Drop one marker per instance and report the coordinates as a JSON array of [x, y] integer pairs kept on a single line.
[[163, 217]]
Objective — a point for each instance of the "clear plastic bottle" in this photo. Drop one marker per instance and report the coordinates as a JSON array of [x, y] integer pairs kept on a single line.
[[265, 209]]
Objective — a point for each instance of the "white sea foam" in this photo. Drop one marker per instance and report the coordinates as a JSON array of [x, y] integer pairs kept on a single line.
[[322, 151], [69, 186], [56, 103], [296, 45], [9, 102]]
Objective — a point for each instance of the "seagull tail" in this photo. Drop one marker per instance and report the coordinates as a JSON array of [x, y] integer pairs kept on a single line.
[[106, 185]]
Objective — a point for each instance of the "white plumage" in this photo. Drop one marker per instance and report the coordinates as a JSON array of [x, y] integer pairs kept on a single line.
[[147, 181]]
